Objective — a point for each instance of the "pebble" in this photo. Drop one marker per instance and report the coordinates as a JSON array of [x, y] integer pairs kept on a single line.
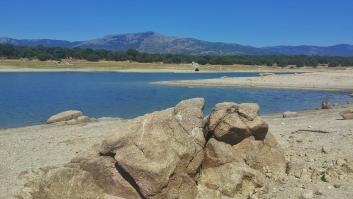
[[337, 186], [340, 162], [308, 194], [326, 178], [318, 192], [324, 149]]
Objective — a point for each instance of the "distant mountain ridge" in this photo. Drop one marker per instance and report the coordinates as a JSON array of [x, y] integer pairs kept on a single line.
[[156, 43]]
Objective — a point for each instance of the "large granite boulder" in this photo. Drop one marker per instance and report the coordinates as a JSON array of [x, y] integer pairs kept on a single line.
[[174, 154], [231, 123], [161, 147], [241, 156]]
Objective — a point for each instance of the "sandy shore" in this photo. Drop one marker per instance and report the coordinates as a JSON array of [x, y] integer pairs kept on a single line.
[[333, 80], [29, 148]]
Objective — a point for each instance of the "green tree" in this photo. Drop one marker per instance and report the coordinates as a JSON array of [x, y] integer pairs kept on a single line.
[[43, 56]]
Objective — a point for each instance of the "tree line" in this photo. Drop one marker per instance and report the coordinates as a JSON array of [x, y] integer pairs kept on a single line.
[[57, 53]]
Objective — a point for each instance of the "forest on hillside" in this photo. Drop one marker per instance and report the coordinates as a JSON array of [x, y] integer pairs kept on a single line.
[[57, 53]]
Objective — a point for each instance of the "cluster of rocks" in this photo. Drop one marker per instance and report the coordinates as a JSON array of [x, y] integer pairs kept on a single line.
[[174, 153], [68, 117]]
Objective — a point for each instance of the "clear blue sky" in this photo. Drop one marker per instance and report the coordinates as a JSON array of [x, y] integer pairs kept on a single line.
[[250, 22]]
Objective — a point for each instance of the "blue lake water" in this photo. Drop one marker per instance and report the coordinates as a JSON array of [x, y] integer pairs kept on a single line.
[[30, 98]]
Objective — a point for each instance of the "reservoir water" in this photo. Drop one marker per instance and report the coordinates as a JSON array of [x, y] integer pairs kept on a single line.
[[30, 98]]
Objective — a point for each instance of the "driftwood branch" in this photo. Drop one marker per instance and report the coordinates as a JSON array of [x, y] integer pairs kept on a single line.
[[310, 130]]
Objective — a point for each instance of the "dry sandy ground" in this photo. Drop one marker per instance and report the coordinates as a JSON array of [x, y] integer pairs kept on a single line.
[[27, 148], [333, 80], [304, 149], [23, 149]]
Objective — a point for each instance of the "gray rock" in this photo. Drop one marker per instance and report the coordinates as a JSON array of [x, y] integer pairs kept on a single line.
[[325, 149], [64, 116]]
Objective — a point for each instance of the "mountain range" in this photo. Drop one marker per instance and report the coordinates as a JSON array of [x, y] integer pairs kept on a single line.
[[157, 43]]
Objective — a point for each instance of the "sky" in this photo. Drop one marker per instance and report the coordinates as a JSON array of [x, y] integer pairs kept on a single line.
[[248, 22]]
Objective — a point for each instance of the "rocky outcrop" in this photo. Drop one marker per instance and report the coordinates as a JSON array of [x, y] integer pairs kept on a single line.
[[174, 153], [69, 117]]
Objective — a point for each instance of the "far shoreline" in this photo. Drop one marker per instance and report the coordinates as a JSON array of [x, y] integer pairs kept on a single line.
[[321, 81], [24, 65]]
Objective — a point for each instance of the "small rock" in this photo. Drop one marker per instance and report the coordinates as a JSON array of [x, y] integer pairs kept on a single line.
[[324, 149], [64, 116], [308, 194], [340, 162], [289, 114], [253, 196], [318, 192], [347, 114], [337, 186], [326, 178]]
